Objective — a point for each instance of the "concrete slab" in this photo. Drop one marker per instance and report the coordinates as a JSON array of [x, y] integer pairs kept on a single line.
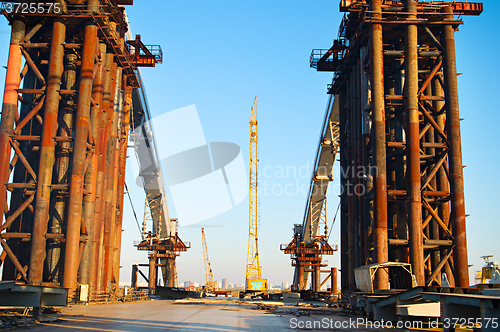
[[216, 316], [165, 315]]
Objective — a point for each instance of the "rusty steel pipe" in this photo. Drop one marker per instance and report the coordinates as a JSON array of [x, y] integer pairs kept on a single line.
[[457, 219], [333, 288], [301, 285], [116, 137], [101, 170], [47, 154], [153, 270], [75, 203], [89, 263], [127, 112], [57, 219], [9, 107], [413, 146], [93, 6], [170, 272], [109, 182], [109, 227], [379, 145]]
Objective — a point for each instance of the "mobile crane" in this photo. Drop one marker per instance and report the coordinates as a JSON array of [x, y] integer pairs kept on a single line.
[[210, 284]]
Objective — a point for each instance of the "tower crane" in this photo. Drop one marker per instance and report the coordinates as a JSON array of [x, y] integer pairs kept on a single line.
[[210, 284], [254, 282]]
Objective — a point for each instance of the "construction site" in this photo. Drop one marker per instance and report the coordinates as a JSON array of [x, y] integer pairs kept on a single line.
[[113, 194]]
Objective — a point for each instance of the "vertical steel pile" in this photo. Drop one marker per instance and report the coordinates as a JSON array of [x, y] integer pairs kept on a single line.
[[63, 136], [401, 164]]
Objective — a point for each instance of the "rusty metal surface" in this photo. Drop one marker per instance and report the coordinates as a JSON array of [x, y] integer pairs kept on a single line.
[[457, 218], [47, 152], [75, 203], [379, 146]]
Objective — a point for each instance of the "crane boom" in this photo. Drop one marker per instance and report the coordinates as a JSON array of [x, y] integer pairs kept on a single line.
[[210, 284], [254, 281]]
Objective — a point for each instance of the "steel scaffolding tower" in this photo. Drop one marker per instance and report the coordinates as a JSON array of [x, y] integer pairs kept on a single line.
[[66, 116], [402, 197]]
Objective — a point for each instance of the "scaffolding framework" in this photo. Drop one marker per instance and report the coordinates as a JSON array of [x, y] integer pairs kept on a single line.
[[400, 147], [66, 116]]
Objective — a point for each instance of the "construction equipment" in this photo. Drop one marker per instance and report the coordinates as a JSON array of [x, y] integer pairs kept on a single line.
[[489, 273], [210, 284], [254, 282]]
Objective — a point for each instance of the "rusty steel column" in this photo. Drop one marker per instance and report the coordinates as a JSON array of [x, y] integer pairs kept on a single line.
[[457, 219], [109, 185], [379, 145], [170, 272], [9, 107], [317, 278], [75, 203], [413, 146], [101, 171], [117, 124], [301, 285], [344, 222], [47, 154], [152, 273], [63, 151], [333, 288], [127, 112], [89, 201], [351, 211], [135, 275], [85, 270]]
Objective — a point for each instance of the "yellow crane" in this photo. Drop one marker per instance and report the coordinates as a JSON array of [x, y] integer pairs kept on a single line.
[[254, 282], [210, 284]]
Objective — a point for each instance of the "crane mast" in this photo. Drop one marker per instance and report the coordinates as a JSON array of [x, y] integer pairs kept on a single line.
[[209, 285], [254, 281]]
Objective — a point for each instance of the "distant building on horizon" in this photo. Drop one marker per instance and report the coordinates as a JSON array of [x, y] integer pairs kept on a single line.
[[285, 285], [188, 283], [225, 284]]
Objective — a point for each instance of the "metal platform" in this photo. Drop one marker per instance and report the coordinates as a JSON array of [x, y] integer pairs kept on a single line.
[[18, 295], [454, 307]]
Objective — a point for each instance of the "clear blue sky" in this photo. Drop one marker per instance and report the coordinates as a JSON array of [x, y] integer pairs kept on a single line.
[[218, 55]]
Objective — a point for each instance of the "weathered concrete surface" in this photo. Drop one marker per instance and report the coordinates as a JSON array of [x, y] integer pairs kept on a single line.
[[224, 316], [164, 315]]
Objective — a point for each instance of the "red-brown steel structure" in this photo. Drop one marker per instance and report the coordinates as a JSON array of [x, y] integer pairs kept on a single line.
[[396, 79], [66, 116]]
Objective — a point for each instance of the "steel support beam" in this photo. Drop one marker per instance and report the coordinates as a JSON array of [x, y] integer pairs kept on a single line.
[[457, 219], [379, 144], [9, 107], [47, 154], [413, 146], [101, 171], [71, 259]]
